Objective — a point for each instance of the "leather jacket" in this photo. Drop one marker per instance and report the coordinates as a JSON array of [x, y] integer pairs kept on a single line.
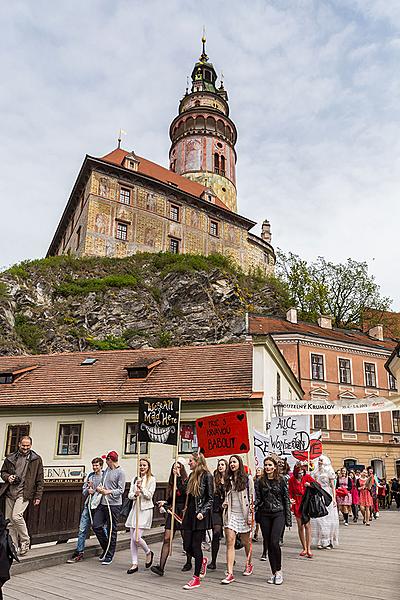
[[272, 497], [204, 501]]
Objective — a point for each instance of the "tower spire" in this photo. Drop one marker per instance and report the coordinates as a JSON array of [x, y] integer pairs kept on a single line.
[[203, 57]]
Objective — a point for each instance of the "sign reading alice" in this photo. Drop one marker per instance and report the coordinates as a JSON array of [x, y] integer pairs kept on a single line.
[[288, 436], [158, 420]]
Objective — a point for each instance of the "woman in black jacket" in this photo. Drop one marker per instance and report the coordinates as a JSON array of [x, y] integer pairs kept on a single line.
[[219, 497], [273, 507], [165, 506], [197, 515]]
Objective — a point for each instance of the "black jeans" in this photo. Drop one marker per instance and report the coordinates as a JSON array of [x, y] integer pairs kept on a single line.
[[192, 544], [271, 529], [101, 518]]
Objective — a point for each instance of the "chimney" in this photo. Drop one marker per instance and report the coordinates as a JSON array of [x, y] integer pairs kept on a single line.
[[291, 315], [266, 231], [325, 321], [376, 332]]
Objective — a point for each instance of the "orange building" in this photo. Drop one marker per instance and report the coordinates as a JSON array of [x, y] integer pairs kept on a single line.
[[339, 364]]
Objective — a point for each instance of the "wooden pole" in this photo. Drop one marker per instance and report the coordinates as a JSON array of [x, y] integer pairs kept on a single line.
[[175, 480], [137, 497]]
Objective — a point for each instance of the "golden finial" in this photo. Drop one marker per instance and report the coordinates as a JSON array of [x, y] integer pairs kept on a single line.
[[204, 57]]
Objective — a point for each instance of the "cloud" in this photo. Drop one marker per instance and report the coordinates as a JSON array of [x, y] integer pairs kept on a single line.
[[314, 90]]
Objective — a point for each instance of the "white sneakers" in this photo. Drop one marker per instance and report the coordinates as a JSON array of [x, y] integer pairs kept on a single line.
[[277, 579]]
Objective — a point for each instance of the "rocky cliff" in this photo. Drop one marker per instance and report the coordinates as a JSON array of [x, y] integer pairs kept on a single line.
[[63, 304]]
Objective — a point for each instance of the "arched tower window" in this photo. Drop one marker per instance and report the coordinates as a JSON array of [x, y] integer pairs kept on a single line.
[[220, 127], [189, 124], [180, 128], [216, 163], [211, 123], [200, 122], [207, 75], [222, 165]]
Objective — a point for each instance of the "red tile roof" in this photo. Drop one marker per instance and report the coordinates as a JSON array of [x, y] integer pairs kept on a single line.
[[262, 325], [196, 373], [151, 169]]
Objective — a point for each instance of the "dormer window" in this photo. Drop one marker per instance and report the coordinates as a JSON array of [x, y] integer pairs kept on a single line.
[[131, 162], [137, 372], [142, 368], [11, 375]]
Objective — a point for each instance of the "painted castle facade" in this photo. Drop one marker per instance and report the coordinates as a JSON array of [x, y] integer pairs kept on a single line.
[[122, 203]]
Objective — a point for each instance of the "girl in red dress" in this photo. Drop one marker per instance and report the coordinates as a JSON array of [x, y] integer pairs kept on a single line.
[[298, 482]]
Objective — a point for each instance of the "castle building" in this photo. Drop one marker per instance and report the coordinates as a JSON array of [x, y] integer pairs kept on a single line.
[[122, 203]]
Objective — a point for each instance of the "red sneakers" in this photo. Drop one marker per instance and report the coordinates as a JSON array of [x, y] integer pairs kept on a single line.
[[248, 570], [228, 579], [193, 583], [203, 570]]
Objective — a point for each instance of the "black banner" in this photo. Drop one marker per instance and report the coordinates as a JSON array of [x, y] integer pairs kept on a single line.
[[158, 420]]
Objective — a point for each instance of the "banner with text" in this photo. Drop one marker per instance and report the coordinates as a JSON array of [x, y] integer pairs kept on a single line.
[[158, 420], [340, 407], [289, 434], [222, 434], [261, 447]]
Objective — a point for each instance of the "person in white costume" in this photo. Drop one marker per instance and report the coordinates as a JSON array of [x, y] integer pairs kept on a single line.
[[325, 530]]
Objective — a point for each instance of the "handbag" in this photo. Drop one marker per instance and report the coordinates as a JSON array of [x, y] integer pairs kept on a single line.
[[126, 507]]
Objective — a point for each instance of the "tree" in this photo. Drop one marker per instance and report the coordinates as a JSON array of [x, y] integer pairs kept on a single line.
[[344, 291]]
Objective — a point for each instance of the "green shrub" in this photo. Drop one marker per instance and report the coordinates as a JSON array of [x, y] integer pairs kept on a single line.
[[164, 339], [29, 333], [4, 295], [100, 284], [108, 343]]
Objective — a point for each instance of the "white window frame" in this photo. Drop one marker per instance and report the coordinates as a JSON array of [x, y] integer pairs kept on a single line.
[[380, 424], [376, 386], [354, 422], [323, 366], [351, 370]]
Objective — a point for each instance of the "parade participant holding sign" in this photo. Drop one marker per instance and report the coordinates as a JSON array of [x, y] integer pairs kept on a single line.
[[141, 514], [197, 515], [219, 496], [238, 514], [165, 506], [273, 506], [298, 482]]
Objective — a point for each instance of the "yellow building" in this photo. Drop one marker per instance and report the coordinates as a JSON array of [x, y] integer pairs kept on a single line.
[[122, 203]]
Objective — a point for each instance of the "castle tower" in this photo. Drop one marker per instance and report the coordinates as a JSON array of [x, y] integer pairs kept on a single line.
[[203, 136]]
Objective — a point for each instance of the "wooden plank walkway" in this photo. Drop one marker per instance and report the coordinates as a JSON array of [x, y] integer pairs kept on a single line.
[[365, 566]]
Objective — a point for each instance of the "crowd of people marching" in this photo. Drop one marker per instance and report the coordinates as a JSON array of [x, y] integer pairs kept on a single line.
[[229, 503], [202, 505]]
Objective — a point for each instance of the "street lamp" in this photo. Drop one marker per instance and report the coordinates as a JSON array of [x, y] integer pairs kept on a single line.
[[279, 408]]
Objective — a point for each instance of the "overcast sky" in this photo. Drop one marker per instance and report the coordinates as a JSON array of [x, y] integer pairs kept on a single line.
[[314, 89]]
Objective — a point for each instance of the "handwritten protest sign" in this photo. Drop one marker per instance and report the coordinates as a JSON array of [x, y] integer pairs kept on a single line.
[[158, 420], [288, 435], [261, 447], [222, 434]]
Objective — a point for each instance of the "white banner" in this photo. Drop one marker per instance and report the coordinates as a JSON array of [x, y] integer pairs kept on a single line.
[[288, 434], [261, 445], [339, 407]]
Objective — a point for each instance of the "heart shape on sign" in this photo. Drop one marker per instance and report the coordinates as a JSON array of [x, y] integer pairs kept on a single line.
[[200, 424], [240, 417], [315, 451], [243, 447]]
